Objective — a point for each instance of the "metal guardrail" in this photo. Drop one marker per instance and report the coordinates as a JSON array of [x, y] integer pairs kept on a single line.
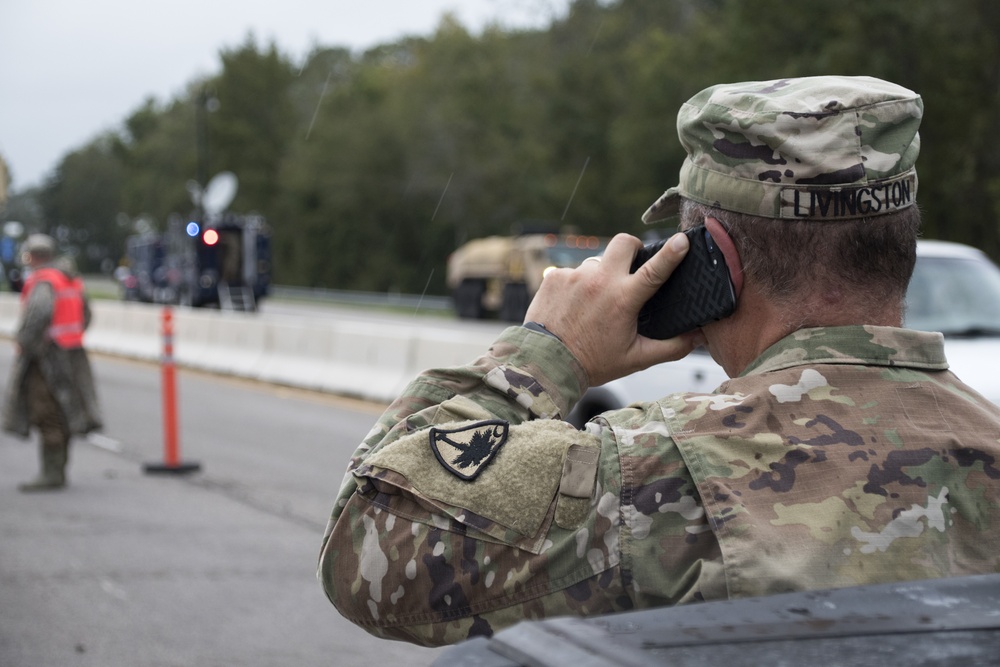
[[443, 304], [384, 299]]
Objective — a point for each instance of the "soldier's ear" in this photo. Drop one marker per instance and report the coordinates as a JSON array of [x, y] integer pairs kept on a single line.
[[728, 248]]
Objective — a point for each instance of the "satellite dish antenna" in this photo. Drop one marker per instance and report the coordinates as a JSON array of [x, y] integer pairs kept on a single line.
[[219, 192]]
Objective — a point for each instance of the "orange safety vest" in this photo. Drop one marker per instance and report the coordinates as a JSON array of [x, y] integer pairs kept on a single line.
[[66, 329]]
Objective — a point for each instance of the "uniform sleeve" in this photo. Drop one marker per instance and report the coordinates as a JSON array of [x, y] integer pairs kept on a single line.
[[37, 317], [525, 375], [88, 314], [472, 505]]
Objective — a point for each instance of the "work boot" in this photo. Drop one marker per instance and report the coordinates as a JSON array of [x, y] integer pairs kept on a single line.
[[44, 482], [53, 475]]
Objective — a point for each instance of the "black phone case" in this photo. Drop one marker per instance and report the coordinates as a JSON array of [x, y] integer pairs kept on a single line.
[[699, 291]]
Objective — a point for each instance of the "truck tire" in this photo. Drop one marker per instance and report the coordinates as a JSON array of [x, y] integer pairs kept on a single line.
[[469, 299], [515, 302]]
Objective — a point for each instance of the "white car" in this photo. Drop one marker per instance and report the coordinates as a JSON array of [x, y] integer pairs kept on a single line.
[[955, 289]]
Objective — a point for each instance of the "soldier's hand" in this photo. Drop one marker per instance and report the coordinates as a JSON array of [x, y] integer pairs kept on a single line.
[[594, 309]]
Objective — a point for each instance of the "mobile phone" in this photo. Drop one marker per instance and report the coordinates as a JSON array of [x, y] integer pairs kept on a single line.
[[699, 290]]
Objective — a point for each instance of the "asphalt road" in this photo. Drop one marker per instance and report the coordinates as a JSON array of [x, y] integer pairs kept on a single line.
[[212, 568]]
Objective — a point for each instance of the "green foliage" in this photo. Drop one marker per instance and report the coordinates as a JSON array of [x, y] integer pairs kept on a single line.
[[373, 167], [254, 123], [80, 198], [157, 154]]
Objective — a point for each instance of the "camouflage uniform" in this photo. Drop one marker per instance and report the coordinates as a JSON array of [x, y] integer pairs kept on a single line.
[[840, 456], [843, 456], [50, 387]]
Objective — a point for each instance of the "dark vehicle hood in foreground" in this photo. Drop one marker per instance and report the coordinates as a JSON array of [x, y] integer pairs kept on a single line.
[[916, 623]]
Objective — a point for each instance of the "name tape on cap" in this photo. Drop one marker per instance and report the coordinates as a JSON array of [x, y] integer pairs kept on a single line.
[[849, 201]]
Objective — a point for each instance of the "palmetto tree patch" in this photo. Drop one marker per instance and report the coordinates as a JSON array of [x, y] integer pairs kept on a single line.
[[465, 452]]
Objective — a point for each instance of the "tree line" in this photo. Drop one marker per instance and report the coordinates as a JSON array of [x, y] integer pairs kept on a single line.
[[372, 167]]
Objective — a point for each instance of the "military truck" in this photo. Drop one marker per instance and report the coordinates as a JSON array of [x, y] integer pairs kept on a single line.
[[497, 276]]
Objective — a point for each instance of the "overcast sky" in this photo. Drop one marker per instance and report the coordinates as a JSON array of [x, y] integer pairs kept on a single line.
[[70, 70]]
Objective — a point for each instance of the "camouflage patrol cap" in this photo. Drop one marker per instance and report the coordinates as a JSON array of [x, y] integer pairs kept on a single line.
[[813, 148], [39, 244]]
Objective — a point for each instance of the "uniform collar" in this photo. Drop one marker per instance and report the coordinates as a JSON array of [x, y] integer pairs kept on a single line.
[[860, 345]]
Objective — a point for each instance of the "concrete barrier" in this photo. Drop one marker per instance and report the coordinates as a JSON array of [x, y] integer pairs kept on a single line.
[[9, 308], [348, 358]]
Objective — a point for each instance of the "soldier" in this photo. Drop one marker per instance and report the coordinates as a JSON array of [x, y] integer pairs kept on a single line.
[[51, 385], [842, 452]]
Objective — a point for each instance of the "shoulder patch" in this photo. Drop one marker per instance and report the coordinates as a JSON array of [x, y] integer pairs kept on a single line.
[[465, 452]]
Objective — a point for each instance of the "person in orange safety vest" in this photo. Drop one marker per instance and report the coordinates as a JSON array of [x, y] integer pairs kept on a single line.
[[51, 385]]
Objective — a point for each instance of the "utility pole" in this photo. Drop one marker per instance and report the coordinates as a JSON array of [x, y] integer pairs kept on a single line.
[[201, 111]]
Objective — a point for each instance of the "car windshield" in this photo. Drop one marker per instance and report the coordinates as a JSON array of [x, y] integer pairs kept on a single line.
[[566, 256], [954, 295]]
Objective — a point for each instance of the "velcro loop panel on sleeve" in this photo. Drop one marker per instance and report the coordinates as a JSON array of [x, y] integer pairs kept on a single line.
[[515, 491]]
